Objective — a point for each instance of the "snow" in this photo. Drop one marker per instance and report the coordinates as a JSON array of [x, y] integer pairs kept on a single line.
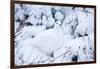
[[52, 36], [50, 22], [45, 40], [59, 16]]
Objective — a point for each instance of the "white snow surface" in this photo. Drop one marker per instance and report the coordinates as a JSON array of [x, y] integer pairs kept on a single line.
[[52, 36]]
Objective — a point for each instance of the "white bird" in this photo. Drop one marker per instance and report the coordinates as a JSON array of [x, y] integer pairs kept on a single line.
[[47, 41], [82, 23]]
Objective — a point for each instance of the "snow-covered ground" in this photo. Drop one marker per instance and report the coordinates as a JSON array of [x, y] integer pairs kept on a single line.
[[53, 34]]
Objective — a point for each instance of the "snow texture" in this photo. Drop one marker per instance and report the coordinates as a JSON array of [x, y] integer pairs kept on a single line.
[[53, 34]]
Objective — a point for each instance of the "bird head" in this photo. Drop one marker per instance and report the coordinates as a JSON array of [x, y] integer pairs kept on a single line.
[[58, 26]]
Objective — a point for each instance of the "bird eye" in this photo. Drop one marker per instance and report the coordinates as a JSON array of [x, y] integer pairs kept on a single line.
[[28, 24], [86, 34], [18, 20], [41, 24], [26, 16], [37, 24], [79, 35]]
